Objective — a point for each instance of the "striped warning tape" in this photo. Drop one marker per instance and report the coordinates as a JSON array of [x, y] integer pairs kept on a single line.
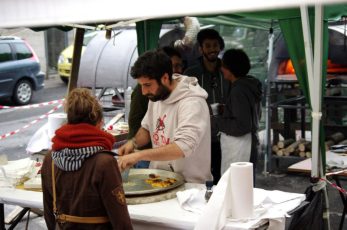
[[343, 191], [33, 105], [32, 122]]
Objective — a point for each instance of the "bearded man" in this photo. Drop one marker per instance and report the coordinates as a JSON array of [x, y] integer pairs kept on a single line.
[[176, 122]]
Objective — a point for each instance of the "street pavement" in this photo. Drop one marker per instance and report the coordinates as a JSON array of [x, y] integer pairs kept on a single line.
[[53, 81], [278, 179]]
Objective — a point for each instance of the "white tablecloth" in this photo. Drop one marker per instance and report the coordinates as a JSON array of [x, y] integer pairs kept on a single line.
[[160, 215]]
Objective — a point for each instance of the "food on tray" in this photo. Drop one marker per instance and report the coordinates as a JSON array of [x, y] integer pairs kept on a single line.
[[152, 176], [155, 181]]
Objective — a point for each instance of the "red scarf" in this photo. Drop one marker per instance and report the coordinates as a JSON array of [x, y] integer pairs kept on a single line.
[[74, 136]]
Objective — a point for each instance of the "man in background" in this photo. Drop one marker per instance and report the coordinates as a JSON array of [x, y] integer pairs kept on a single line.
[[208, 71]]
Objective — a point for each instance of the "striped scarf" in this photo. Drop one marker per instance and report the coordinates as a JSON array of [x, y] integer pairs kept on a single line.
[[74, 143], [72, 159]]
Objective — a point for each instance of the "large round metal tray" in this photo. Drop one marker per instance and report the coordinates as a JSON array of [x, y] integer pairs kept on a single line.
[[136, 184]]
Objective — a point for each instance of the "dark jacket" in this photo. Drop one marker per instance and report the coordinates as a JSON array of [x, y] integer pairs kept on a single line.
[[242, 110], [215, 85], [139, 105], [93, 190]]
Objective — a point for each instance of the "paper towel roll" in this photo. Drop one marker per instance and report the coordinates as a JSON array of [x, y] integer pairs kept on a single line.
[[55, 120], [241, 190]]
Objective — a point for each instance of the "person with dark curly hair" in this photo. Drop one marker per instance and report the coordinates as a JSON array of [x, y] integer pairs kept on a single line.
[[139, 102], [176, 122], [240, 119], [81, 183]]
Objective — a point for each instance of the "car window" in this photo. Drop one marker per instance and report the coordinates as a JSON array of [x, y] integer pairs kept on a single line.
[[22, 51], [5, 53]]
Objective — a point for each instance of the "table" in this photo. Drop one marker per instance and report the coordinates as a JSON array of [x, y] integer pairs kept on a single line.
[[159, 215], [41, 142], [305, 167]]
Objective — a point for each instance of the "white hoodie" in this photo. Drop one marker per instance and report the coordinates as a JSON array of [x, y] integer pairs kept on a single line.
[[183, 118]]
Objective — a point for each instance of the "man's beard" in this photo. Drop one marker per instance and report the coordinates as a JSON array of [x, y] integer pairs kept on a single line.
[[210, 59], [162, 93]]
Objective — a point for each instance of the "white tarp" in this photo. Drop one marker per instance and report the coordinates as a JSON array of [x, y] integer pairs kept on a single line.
[[38, 13], [35, 13]]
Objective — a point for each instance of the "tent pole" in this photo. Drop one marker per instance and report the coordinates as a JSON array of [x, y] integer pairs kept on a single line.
[[76, 59], [326, 213], [267, 152], [317, 86], [314, 72], [317, 114], [309, 66]]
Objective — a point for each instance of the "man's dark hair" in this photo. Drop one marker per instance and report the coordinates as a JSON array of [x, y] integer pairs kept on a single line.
[[171, 51], [152, 64], [210, 34], [237, 61]]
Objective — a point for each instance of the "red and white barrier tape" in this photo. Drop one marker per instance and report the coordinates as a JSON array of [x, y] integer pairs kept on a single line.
[[334, 186], [33, 106], [32, 122]]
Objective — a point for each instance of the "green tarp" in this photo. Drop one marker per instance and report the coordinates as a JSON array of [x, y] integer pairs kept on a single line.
[[289, 21]]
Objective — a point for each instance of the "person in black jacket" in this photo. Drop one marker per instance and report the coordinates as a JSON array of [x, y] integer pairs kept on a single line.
[[208, 72], [240, 119]]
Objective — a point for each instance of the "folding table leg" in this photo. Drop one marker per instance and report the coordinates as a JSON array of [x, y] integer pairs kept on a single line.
[[342, 218], [18, 218], [2, 217], [344, 201]]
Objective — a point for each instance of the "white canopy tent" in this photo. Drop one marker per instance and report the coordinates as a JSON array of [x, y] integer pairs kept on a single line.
[[41, 13], [45, 13]]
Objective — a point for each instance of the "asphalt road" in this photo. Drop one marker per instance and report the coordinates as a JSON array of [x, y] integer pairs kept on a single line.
[[11, 120]]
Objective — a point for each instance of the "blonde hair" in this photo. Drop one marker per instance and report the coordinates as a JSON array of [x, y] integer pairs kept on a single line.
[[82, 107]]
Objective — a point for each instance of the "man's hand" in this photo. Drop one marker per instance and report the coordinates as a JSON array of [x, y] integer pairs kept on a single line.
[[127, 161], [126, 148]]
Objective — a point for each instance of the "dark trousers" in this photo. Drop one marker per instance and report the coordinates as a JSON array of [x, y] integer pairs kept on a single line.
[[254, 154], [216, 156], [254, 151]]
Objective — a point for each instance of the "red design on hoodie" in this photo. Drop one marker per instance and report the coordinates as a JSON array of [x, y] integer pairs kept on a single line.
[[159, 135]]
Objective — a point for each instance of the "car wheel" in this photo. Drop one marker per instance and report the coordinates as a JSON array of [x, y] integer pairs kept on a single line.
[[23, 92], [65, 79]]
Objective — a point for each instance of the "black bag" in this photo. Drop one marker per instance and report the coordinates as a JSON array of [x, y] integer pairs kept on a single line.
[[308, 215]]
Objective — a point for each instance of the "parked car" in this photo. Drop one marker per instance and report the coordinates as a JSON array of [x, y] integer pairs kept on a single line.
[[65, 58], [20, 72]]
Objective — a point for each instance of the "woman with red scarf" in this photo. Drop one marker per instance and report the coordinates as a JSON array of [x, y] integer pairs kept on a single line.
[[81, 182]]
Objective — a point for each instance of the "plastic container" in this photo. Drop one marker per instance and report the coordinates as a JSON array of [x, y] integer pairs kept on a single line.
[[127, 101]]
